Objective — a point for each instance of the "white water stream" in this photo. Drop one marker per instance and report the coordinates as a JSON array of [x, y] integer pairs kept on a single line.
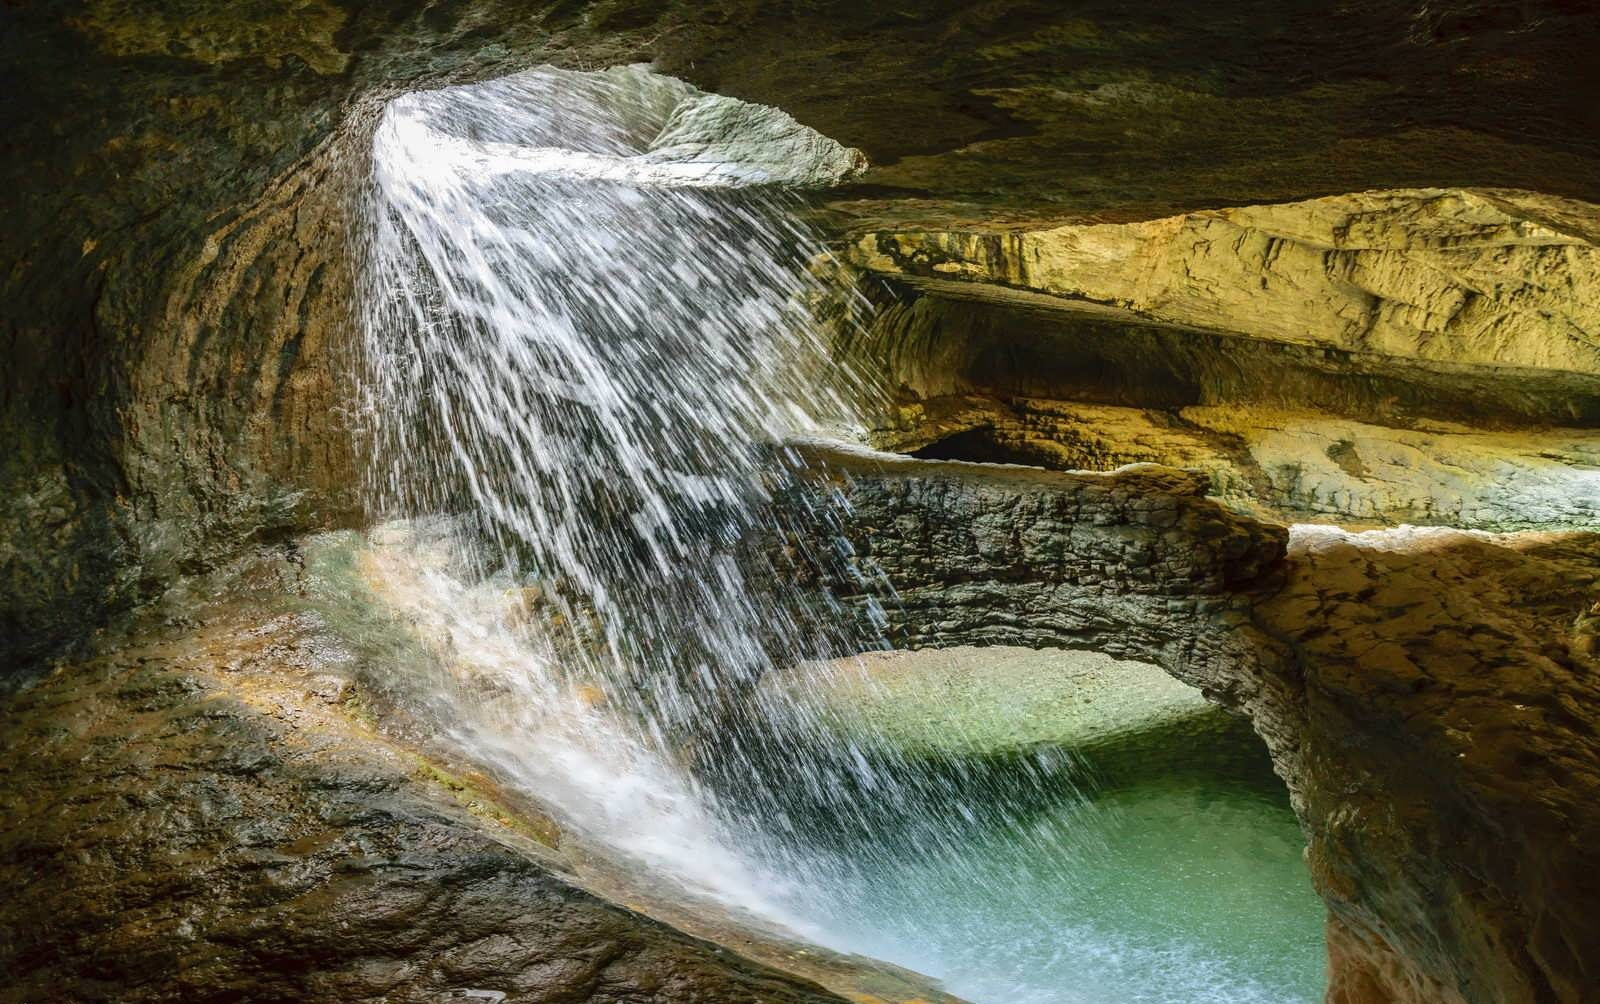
[[587, 318], [586, 323]]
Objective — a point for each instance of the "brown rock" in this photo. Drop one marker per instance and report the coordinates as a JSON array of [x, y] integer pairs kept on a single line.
[[1429, 696], [183, 824]]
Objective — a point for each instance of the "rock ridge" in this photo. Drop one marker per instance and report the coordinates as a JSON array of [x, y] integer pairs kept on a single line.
[[1427, 695]]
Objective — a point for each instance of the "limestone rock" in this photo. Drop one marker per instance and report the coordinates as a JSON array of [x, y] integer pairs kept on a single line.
[[1486, 278], [1136, 563], [214, 813], [976, 340], [1428, 695], [1301, 466], [753, 144], [1321, 467], [1448, 761], [174, 271], [996, 700]]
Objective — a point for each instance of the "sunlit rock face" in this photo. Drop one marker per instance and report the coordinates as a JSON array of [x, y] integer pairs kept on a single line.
[[1291, 465], [1042, 202], [1497, 279], [1422, 357], [771, 146], [173, 272]]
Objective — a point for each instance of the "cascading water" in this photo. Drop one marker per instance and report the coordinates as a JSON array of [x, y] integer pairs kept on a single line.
[[582, 347], [587, 327], [577, 347]]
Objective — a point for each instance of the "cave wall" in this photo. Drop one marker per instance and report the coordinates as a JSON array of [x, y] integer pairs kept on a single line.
[[926, 345], [1469, 277], [1378, 358], [1293, 465], [175, 177], [178, 277], [177, 186]]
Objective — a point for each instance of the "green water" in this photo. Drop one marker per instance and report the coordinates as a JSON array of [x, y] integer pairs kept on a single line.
[[1162, 864], [1182, 882]]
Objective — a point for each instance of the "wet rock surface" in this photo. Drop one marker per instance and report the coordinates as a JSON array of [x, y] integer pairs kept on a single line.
[[1427, 695], [1287, 465], [1136, 563], [176, 271], [1449, 758], [997, 701], [209, 811], [1018, 556], [176, 278]]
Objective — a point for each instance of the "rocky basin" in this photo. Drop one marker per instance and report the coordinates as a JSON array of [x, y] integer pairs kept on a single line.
[[224, 806], [1256, 343], [1412, 685]]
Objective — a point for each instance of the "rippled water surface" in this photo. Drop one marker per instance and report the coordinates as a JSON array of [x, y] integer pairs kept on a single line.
[[1180, 887]]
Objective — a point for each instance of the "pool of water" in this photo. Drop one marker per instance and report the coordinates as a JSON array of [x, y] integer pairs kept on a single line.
[[1153, 864], [1183, 884]]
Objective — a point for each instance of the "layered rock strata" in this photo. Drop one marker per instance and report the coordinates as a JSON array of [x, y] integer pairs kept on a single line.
[[174, 271], [1137, 563], [1412, 356], [1289, 465], [1427, 695], [1480, 278]]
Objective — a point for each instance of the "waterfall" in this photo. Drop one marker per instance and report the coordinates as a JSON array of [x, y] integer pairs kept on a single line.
[[591, 314], [587, 316], [582, 344]]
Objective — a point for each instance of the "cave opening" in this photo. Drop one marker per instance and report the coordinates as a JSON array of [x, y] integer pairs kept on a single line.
[[979, 445]]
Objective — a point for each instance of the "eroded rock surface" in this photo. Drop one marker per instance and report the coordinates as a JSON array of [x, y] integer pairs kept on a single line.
[[995, 701], [1137, 563], [1424, 356], [1484, 278], [175, 268], [1428, 695], [1289, 465], [211, 811], [1450, 766]]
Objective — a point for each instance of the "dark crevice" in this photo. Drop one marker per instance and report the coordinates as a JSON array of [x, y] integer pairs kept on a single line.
[[981, 446]]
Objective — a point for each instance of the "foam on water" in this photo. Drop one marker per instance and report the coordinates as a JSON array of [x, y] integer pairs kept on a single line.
[[577, 349], [494, 691]]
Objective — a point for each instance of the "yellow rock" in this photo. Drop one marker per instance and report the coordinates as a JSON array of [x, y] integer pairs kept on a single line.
[[591, 695], [1490, 278]]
